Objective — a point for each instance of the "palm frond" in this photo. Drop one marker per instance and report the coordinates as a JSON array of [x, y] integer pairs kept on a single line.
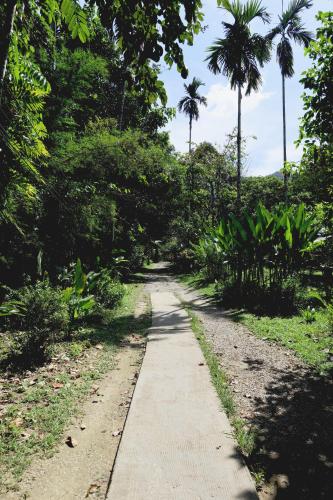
[[285, 57], [254, 9], [277, 30], [297, 32], [217, 55], [294, 9]]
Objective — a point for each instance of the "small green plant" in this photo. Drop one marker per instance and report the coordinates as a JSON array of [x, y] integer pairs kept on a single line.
[[309, 314], [245, 435], [108, 291], [328, 305], [37, 315], [79, 304], [259, 477]]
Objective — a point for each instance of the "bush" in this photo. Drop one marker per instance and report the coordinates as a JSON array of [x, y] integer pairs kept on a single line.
[[284, 298], [288, 297], [136, 258], [108, 291], [44, 318]]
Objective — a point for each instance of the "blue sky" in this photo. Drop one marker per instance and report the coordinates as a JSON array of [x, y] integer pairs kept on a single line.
[[262, 111]]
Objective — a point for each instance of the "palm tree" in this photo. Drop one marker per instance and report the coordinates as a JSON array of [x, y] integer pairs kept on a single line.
[[238, 56], [289, 29], [189, 104]]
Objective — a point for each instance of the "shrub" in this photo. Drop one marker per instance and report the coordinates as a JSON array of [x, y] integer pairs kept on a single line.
[[44, 320], [137, 257], [108, 291], [289, 296], [284, 298]]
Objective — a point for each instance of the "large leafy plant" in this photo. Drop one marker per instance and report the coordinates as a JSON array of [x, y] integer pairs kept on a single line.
[[78, 297], [265, 247]]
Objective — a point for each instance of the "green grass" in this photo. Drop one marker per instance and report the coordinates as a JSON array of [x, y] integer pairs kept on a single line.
[[37, 412], [198, 282], [311, 342], [245, 435]]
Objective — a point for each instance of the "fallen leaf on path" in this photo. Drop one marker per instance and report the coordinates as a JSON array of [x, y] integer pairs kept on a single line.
[[82, 426], [99, 346], [201, 364], [71, 442], [57, 385], [18, 422], [116, 433], [93, 488]]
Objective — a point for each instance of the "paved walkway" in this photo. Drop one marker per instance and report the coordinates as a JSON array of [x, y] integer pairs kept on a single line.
[[177, 442]]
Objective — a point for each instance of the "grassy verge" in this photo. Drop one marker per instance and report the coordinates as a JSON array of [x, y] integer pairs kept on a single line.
[[312, 342], [36, 406], [198, 282], [244, 434]]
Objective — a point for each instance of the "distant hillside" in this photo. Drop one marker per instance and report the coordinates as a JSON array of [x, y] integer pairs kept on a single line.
[[276, 174]]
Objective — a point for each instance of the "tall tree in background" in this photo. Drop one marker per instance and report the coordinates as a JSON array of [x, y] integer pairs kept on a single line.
[[238, 56], [189, 104], [289, 29]]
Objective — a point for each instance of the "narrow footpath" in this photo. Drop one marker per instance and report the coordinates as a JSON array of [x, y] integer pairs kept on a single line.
[[177, 443]]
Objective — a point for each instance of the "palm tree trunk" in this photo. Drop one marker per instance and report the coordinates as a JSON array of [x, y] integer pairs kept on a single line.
[[190, 141], [285, 174], [239, 148], [5, 39]]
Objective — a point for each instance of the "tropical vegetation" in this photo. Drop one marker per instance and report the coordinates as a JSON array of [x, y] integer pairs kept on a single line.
[[92, 189]]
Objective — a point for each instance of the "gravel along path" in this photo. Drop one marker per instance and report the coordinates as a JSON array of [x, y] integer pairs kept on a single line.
[[290, 405]]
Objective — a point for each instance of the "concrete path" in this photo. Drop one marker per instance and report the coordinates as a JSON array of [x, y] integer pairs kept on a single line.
[[177, 442]]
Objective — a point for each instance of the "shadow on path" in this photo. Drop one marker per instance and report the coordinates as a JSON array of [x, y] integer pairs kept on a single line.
[[296, 433]]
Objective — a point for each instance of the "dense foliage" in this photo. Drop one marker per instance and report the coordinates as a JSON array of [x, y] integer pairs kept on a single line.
[[87, 173]]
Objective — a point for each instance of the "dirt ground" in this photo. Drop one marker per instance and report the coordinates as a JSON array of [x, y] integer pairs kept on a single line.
[[83, 471]]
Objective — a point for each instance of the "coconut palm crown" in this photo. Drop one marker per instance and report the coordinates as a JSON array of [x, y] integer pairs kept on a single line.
[[240, 54], [189, 104]]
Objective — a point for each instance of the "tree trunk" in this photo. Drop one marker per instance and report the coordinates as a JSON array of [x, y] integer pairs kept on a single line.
[[123, 97], [239, 149], [190, 141], [5, 39], [285, 174]]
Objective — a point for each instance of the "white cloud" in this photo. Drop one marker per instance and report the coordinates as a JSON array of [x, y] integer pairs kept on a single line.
[[218, 118], [273, 158]]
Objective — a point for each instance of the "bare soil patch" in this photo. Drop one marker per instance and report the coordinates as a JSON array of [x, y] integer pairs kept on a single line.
[[103, 378], [83, 471]]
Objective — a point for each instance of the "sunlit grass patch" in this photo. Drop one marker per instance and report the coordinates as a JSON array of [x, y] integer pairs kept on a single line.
[[312, 342]]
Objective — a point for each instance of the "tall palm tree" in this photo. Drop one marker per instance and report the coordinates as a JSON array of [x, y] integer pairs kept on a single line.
[[189, 104], [238, 56], [289, 29]]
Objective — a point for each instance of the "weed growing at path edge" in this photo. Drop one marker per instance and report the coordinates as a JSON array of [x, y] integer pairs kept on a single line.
[[245, 436]]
